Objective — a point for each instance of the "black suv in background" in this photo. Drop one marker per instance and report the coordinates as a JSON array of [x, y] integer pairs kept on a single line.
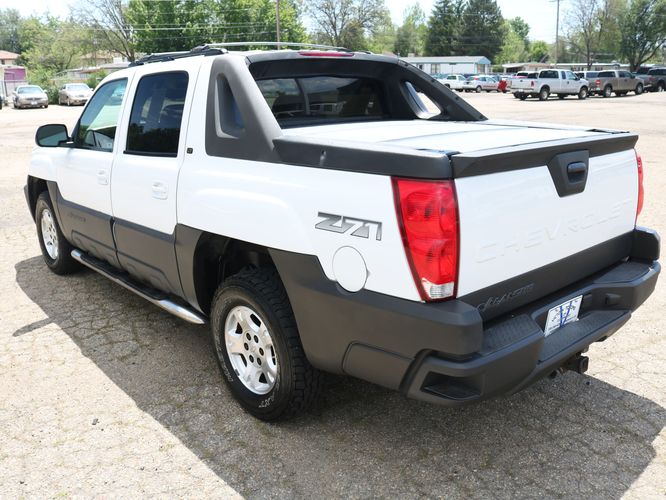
[[657, 79]]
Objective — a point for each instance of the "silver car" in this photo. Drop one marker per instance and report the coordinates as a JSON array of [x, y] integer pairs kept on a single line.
[[29, 96], [74, 93], [479, 83]]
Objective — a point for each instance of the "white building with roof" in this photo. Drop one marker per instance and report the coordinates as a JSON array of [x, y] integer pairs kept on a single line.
[[451, 64]]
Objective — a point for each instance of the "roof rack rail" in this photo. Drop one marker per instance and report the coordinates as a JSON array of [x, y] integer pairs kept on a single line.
[[171, 56], [275, 44]]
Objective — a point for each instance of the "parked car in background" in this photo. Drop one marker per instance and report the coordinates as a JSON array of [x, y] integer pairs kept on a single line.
[[29, 96], [454, 82], [551, 81], [616, 81], [74, 93], [502, 84], [645, 79], [657, 79], [591, 77], [480, 82]]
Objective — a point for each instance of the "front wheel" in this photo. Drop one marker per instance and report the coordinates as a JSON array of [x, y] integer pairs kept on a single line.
[[478, 90], [582, 93], [258, 347], [56, 250]]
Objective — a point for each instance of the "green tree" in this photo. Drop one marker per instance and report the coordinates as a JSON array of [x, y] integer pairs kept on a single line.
[[520, 27], [109, 21], [443, 29], [643, 29], [483, 29], [10, 26], [538, 50], [584, 27], [513, 48], [410, 37], [347, 23]]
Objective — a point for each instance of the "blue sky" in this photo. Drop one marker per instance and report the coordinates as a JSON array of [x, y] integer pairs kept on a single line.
[[539, 14]]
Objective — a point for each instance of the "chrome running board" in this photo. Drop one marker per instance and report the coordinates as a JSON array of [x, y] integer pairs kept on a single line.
[[154, 297]]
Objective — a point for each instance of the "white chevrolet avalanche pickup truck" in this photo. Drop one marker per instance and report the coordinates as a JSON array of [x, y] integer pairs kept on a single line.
[[336, 211]]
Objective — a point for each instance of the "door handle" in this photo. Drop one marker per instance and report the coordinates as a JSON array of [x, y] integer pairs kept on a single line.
[[102, 177], [160, 191]]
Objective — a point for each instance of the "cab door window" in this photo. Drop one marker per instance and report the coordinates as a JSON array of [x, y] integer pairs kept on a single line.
[[97, 126], [157, 113]]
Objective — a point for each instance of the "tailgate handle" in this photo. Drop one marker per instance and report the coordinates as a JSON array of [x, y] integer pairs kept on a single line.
[[576, 171], [569, 172]]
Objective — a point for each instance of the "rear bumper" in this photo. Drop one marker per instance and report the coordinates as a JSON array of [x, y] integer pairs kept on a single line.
[[516, 352], [445, 352]]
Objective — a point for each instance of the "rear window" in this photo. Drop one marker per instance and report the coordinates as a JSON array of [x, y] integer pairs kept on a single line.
[[548, 74], [605, 74], [323, 98], [592, 74]]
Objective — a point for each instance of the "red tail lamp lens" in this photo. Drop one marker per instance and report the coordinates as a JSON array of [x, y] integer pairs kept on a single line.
[[428, 214]]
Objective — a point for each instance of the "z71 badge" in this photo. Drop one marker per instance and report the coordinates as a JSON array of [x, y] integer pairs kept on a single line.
[[343, 224]]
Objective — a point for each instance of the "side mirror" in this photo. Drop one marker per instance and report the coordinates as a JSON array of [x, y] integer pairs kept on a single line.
[[51, 136]]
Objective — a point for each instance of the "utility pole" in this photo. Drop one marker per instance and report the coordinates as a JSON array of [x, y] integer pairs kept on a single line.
[[277, 22], [557, 32]]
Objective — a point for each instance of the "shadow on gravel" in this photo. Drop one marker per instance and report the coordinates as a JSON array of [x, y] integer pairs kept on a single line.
[[571, 437]]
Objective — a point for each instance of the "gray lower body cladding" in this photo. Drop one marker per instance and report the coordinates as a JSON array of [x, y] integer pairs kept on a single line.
[[446, 352]]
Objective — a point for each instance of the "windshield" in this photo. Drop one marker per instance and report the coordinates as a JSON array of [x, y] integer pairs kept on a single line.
[[81, 87], [32, 89]]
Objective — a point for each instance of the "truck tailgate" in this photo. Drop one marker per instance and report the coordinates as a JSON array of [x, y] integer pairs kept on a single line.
[[524, 233]]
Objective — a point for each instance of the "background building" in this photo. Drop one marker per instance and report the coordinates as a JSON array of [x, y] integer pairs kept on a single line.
[[451, 64]]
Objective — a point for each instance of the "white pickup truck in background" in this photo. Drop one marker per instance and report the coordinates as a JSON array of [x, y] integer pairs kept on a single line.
[[550, 81], [321, 217]]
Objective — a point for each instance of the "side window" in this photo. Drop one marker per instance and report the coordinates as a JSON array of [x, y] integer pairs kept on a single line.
[[157, 113], [571, 75], [97, 126]]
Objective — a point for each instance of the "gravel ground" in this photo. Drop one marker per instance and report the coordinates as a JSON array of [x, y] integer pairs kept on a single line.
[[105, 395]]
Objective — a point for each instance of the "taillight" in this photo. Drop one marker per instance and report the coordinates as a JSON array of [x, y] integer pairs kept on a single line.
[[598, 83], [428, 215], [641, 193]]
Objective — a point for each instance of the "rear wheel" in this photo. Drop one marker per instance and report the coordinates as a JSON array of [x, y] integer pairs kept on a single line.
[[544, 93], [608, 91], [56, 250], [258, 348], [661, 86], [522, 97], [478, 89], [639, 89], [582, 93]]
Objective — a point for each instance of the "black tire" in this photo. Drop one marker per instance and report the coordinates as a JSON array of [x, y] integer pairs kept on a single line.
[[661, 86], [478, 89], [582, 93], [639, 89], [297, 383], [608, 91], [516, 95], [522, 97], [544, 93], [62, 263]]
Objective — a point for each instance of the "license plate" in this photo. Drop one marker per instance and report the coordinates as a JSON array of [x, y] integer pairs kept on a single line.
[[561, 315]]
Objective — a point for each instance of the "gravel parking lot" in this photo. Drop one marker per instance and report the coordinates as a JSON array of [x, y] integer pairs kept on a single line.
[[102, 394]]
